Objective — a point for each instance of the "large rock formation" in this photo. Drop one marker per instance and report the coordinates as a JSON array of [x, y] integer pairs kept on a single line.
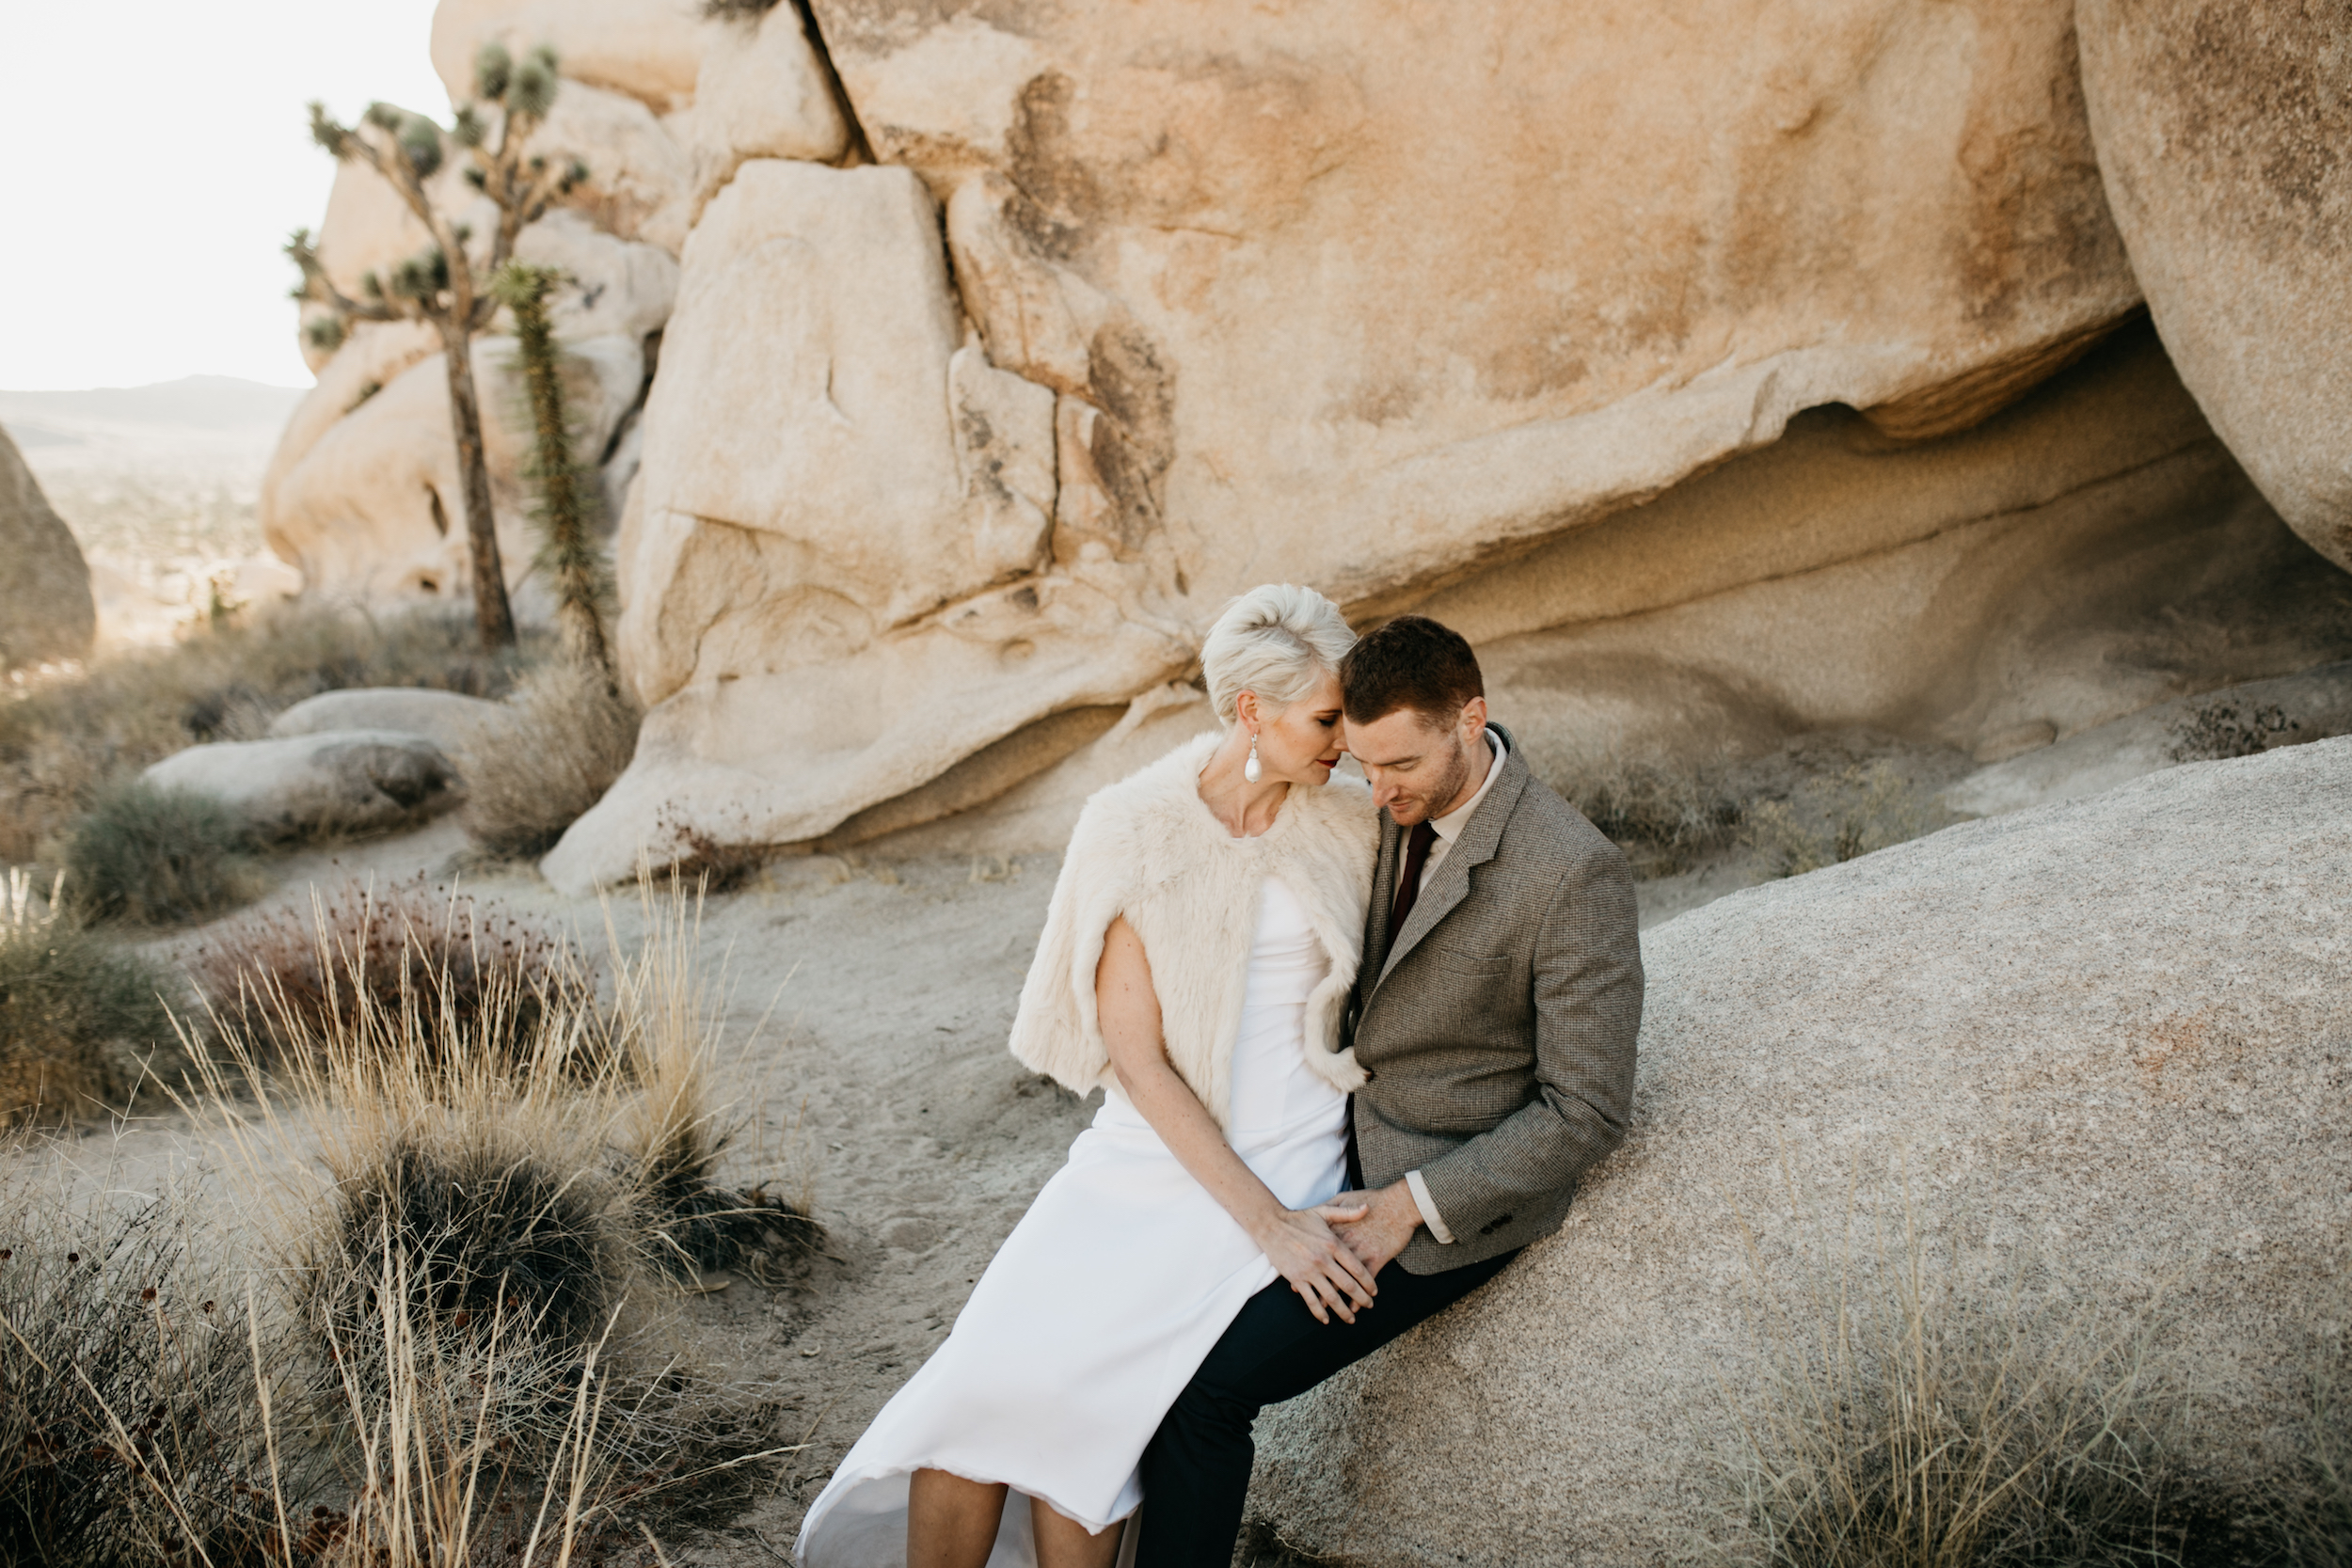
[[2224, 129], [2121, 1099], [1451, 309], [46, 611]]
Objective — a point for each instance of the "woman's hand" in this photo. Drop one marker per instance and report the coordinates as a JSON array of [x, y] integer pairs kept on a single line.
[[1328, 1276]]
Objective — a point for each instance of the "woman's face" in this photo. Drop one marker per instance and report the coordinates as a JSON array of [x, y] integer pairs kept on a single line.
[[1301, 744]]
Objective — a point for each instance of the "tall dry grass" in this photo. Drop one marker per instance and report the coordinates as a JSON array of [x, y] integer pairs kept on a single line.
[[573, 734], [471, 1251], [1911, 1411]]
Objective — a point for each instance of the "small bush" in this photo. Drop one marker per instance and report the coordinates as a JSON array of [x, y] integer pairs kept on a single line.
[[573, 737], [2219, 731], [1832, 820], [1662, 817], [130, 1427], [81, 1021], [471, 967], [146, 856]]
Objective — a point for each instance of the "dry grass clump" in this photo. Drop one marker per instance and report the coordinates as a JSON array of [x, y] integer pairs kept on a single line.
[[82, 1021], [1900, 1421], [1827, 820], [1664, 816], [65, 737], [674, 1136], [573, 735], [475, 1279], [130, 1427], [145, 856], [363, 957], [2310, 1517]]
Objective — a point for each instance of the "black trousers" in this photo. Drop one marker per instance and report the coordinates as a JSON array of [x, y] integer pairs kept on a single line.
[[1195, 1469]]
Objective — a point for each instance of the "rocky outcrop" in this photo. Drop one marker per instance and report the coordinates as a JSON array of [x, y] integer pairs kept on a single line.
[[838, 553], [325, 783], [2117, 1095], [2223, 129], [46, 611]]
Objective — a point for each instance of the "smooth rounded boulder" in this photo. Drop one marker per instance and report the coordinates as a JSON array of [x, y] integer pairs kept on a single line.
[[316, 785], [2104, 1048], [458, 724], [2222, 130]]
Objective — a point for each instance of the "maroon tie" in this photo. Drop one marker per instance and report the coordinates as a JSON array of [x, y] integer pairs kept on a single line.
[[1408, 881]]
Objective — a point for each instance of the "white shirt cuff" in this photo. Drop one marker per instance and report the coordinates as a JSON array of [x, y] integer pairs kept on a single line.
[[1429, 1215]]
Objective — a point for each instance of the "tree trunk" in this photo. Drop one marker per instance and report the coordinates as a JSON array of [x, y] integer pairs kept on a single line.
[[492, 616]]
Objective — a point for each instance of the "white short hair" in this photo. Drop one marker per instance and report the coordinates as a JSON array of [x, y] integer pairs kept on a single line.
[[1276, 640]]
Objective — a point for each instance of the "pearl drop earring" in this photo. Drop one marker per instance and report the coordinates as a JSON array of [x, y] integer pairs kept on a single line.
[[1250, 770]]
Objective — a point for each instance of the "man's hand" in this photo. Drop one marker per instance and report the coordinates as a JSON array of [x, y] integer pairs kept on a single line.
[[1390, 1220]]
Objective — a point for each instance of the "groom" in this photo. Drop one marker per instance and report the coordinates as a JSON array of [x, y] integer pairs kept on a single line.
[[1495, 1017]]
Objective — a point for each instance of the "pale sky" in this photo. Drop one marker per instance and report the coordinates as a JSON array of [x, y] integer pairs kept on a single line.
[[157, 155]]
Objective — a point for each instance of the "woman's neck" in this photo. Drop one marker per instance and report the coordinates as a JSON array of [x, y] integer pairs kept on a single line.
[[1247, 810]]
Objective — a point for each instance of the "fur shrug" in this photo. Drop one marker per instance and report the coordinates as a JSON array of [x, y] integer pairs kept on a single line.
[[1149, 849]]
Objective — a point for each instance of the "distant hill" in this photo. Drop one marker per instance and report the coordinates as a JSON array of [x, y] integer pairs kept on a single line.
[[193, 406]]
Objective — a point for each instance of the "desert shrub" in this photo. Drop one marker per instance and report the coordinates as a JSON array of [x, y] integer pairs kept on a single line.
[[146, 856], [2218, 731], [1905, 1418], [1662, 815], [63, 739], [1828, 821], [358, 957], [131, 1424], [81, 1019], [571, 738]]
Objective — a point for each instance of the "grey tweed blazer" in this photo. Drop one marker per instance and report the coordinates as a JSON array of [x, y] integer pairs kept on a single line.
[[1499, 1025]]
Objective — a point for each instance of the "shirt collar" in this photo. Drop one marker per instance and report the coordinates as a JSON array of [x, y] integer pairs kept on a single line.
[[1450, 826]]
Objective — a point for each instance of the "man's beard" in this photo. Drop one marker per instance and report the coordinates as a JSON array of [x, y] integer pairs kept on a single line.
[[1441, 796]]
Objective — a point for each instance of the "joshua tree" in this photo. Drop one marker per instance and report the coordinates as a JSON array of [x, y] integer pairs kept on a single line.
[[567, 550], [438, 285]]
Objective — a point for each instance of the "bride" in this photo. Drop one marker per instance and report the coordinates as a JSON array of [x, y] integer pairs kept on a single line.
[[1195, 963]]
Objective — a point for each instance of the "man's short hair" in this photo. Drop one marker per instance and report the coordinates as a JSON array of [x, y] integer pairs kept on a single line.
[[1411, 662]]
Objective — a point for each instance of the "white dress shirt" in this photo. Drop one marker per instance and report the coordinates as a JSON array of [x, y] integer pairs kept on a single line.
[[1449, 828]]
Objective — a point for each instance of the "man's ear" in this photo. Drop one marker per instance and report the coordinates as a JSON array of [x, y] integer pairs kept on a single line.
[[1474, 718]]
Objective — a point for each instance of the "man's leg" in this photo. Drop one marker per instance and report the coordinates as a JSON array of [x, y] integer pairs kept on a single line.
[[1195, 1470]]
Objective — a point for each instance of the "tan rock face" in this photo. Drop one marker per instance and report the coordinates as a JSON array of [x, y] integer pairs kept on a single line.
[[2224, 129], [648, 49], [839, 579], [1432, 280], [46, 611], [2113, 1065], [760, 93]]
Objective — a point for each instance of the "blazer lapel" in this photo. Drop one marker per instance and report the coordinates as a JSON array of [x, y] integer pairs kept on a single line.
[[1449, 884]]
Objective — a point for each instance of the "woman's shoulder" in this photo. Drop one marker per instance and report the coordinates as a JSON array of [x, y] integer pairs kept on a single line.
[[1341, 806], [1156, 798]]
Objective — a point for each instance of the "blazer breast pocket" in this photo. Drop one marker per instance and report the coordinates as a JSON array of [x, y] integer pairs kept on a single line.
[[1472, 964]]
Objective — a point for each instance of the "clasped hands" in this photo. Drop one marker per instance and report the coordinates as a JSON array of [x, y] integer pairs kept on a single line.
[[1332, 1253]]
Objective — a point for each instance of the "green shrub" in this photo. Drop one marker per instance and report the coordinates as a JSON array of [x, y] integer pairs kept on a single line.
[[146, 856], [572, 738], [81, 1019]]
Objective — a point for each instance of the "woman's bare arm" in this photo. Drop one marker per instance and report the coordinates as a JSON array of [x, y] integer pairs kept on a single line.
[[1298, 1242]]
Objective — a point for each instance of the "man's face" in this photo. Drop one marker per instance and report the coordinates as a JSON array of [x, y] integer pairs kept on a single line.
[[1418, 768]]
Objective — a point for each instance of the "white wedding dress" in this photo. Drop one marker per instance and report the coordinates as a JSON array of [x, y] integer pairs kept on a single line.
[[1105, 1298]]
